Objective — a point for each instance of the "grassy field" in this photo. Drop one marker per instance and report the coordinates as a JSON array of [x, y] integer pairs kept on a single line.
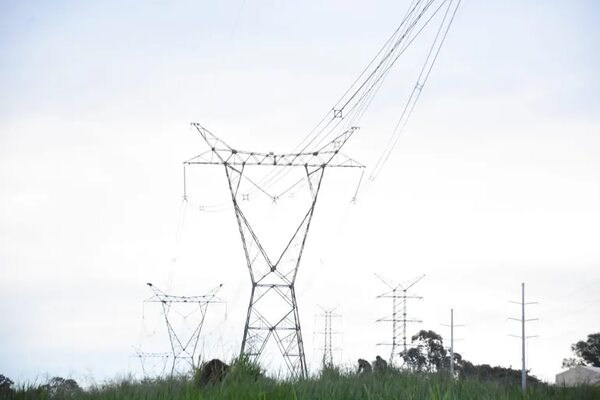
[[330, 385]]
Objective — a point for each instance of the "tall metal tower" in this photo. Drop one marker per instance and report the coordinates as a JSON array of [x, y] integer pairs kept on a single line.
[[523, 337], [184, 346], [399, 295], [328, 315], [273, 308], [159, 362]]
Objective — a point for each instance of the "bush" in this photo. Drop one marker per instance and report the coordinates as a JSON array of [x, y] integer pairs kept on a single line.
[[242, 369]]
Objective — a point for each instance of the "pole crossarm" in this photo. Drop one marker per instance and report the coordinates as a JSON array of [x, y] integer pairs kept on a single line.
[[391, 295]]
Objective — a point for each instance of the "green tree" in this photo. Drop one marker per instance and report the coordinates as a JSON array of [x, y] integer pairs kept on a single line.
[[58, 387], [496, 374], [586, 352], [5, 385], [429, 353]]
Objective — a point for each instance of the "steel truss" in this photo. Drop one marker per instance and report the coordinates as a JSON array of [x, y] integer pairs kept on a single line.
[[398, 293], [183, 348], [273, 278], [328, 315], [145, 357]]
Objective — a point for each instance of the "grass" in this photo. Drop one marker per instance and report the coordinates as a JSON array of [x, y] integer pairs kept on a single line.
[[330, 385]]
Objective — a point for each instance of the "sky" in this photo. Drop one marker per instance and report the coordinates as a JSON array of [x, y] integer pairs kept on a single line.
[[495, 181]]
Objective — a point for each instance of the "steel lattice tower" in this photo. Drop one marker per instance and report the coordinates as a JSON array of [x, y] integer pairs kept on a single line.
[[273, 276], [183, 348], [398, 294], [145, 356], [328, 315]]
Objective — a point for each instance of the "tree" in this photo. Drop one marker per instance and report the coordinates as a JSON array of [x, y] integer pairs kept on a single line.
[[61, 387], [496, 374], [458, 362], [429, 353], [586, 353], [5, 385]]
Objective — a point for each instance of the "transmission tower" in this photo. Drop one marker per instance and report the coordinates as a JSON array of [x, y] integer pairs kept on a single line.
[[523, 337], [273, 309], [184, 346], [160, 359], [399, 295], [328, 315]]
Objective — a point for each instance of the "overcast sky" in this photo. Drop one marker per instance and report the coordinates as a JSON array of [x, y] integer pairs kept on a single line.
[[495, 182]]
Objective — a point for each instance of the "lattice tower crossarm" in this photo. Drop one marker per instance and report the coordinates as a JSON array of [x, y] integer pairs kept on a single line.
[[183, 348], [269, 276]]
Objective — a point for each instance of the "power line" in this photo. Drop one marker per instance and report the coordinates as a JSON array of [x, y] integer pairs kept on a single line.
[[424, 73]]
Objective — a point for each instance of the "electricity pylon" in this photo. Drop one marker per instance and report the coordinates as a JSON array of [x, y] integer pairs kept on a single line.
[[523, 337], [320, 149], [328, 315], [145, 357], [398, 293], [183, 347], [273, 308]]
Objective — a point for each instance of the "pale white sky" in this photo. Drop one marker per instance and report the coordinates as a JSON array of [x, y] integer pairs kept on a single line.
[[496, 181]]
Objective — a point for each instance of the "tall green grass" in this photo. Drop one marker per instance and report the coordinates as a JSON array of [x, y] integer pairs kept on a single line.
[[330, 385]]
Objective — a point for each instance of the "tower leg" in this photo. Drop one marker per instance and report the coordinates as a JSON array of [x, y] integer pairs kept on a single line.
[[273, 307]]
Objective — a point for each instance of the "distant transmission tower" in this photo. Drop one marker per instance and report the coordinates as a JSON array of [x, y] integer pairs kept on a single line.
[[523, 337], [158, 359], [184, 346], [328, 315], [399, 295]]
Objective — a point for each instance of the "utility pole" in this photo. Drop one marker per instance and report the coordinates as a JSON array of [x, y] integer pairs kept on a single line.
[[452, 342], [523, 337], [328, 315], [452, 326], [398, 293]]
